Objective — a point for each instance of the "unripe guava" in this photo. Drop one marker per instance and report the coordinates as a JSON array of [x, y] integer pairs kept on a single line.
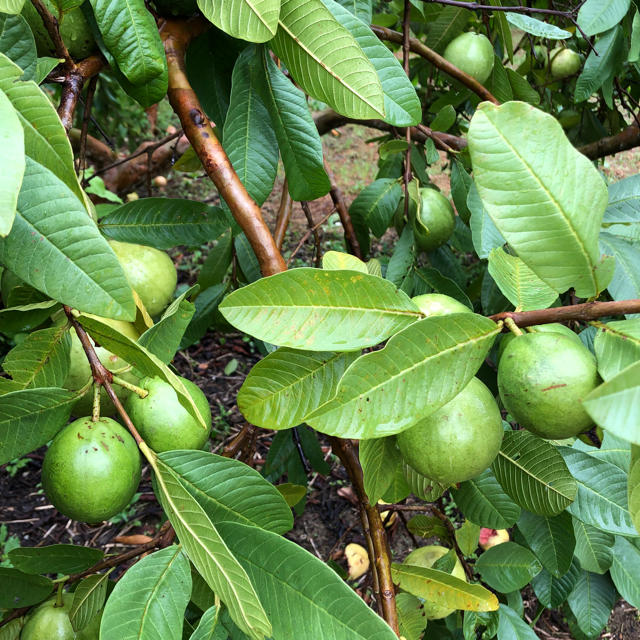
[[437, 304], [542, 378], [150, 272], [471, 53], [436, 221], [457, 442], [163, 422], [91, 470], [552, 327], [569, 118], [564, 63], [426, 557], [48, 622]]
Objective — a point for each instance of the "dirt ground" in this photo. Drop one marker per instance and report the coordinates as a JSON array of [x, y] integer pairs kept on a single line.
[[329, 520]]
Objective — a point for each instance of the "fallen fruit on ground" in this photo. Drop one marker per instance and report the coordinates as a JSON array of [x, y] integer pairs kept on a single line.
[[357, 559], [437, 304], [436, 221], [472, 53]]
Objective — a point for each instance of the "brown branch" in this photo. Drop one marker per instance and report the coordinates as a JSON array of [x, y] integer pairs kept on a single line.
[[306, 236], [584, 312], [176, 34], [378, 550], [284, 215], [628, 138], [478, 6], [50, 23], [437, 60], [239, 441], [72, 86], [82, 156], [314, 230]]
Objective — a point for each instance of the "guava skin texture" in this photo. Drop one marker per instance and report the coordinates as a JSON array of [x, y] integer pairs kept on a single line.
[[438, 217], [473, 54], [437, 304], [426, 557], [564, 63], [163, 422], [91, 470], [457, 442], [150, 272], [542, 378], [48, 622], [552, 327]]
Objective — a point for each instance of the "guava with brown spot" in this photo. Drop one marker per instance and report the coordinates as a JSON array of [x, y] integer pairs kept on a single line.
[[458, 441], [426, 557], [91, 470], [543, 378], [50, 622]]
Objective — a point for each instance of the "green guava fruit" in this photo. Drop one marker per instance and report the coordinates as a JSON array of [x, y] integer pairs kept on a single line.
[[542, 378], [163, 422], [569, 118], [91, 470], [541, 58], [564, 62], [437, 304], [80, 371], [552, 327], [436, 220], [426, 557], [457, 442], [472, 53], [176, 8], [150, 272], [48, 622], [74, 29]]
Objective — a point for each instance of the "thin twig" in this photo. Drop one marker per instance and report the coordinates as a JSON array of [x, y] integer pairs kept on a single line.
[[91, 89], [284, 215], [306, 236], [53, 29], [298, 442], [316, 234]]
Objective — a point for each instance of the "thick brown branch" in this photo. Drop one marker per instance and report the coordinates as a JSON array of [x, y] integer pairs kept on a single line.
[[176, 35], [437, 60], [284, 215], [628, 138], [72, 87], [341, 207]]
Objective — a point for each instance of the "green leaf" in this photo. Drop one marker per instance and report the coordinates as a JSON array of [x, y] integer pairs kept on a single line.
[[30, 418], [22, 590], [404, 254], [601, 500], [507, 566], [591, 601], [26, 317], [533, 473], [11, 630], [596, 16], [410, 616], [215, 267], [449, 23], [483, 501], [130, 34], [360, 8], [289, 384], [467, 537], [519, 284], [301, 592], [552, 592], [615, 404], [594, 547], [551, 539], [443, 588], [248, 137], [419, 370], [401, 104], [375, 205], [164, 223], [149, 601], [625, 570], [292, 493], [624, 201], [326, 60], [380, 459], [209, 627], [252, 20], [461, 182], [88, 600], [536, 27], [337, 261], [209, 553], [421, 486], [56, 558], [554, 198], [12, 7], [625, 283], [484, 233], [18, 44], [428, 526], [229, 490], [633, 487], [500, 21], [427, 279], [511, 626], [616, 346], [297, 135], [206, 310], [612, 449], [320, 310]]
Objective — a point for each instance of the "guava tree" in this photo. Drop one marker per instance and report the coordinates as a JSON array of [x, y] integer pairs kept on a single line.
[[492, 357]]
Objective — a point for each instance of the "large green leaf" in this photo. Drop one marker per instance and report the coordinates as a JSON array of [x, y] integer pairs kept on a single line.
[[164, 222], [534, 474], [537, 27], [248, 136], [419, 370], [625, 283], [421, 486], [615, 404], [551, 539], [22, 590], [55, 558], [443, 588], [410, 616], [547, 204], [483, 501], [508, 566], [130, 34], [297, 135], [401, 103], [229, 490], [596, 16], [512, 627], [617, 345], [289, 384], [612, 449], [149, 601], [380, 459], [302, 594], [552, 592], [625, 570], [591, 601], [12, 163], [252, 20], [594, 547], [320, 310], [326, 60], [209, 553], [88, 600], [55, 247], [601, 500], [449, 23], [624, 201], [30, 418], [375, 205], [484, 233], [17, 42], [519, 284]]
